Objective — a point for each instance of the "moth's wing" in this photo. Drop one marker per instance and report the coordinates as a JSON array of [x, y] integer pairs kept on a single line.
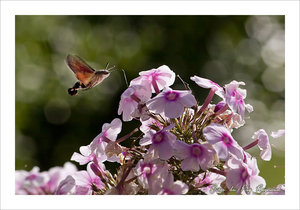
[[97, 78], [81, 69]]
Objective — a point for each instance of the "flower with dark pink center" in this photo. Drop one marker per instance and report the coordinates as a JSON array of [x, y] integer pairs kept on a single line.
[[149, 171], [161, 142], [171, 102], [223, 142], [194, 156], [243, 176]]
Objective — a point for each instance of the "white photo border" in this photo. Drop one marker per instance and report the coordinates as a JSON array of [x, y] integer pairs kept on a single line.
[[11, 8]]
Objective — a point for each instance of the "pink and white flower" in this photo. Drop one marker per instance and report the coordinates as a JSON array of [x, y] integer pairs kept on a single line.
[[145, 127], [171, 102], [206, 83], [55, 175], [65, 186], [35, 182], [86, 155], [109, 134], [131, 98], [158, 78], [150, 170], [194, 156], [234, 97], [161, 142], [209, 183], [263, 143], [127, 188], [277, 134], [243, 176], [29, 182], [169, 187], [223, 142], [87, 181]]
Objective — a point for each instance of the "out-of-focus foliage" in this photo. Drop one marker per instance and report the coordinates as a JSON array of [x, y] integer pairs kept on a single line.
[[51, 125]]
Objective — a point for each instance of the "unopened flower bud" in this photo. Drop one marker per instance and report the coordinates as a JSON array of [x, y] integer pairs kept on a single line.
[[219, 106]]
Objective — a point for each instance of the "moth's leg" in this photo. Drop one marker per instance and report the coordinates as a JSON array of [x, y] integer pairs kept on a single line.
[[110, 68], [82, 85], [106, 66], [76, 85]]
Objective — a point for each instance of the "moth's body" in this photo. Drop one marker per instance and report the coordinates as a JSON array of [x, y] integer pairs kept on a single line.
[[97, 77], [87, 76]]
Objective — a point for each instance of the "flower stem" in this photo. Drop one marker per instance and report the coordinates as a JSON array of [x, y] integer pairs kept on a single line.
[[207, 101], [154, 84], [194, 133], [120, 184], [251, 145], [217, 171], [127, 136], [135, 98]]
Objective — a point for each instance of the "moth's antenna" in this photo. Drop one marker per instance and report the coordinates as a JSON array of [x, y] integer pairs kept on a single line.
[[125, 77], [186, 85], [123, 74]]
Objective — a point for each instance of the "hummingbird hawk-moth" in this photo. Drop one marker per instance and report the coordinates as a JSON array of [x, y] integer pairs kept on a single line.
[[86, 75]]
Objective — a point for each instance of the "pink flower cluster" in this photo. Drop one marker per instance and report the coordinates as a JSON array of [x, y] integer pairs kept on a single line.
[[184, 147]]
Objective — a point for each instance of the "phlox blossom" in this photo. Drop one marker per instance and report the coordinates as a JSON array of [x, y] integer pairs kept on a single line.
[[86, 155], [131, 98], [65, 186], [109, 134], [87, 181], [206, 83], [223, 142], [158, 78], [145, 127], [149, 170], [263, 144], [29, 182], [243, 175], [171, 102], [161, 142], [194, 156], [169, 187], [234, 97], [209, 183], [55, 175], [35, 182]]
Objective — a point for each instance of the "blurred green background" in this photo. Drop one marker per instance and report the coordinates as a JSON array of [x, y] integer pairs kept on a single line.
[[51, 125]]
